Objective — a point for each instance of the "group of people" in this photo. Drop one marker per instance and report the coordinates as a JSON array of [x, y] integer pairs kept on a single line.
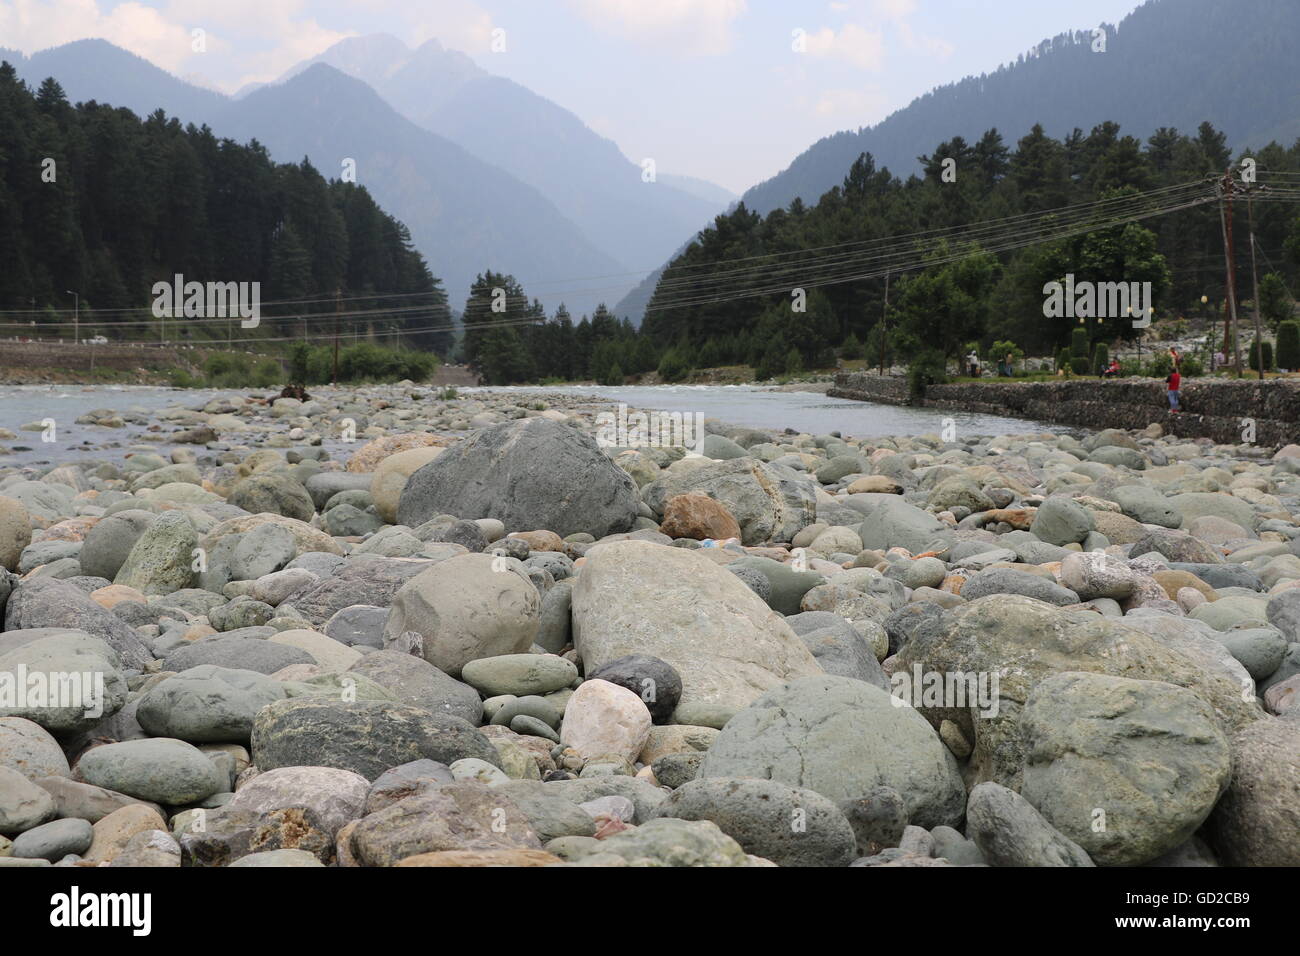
[[1173, 382], [1006, 366]]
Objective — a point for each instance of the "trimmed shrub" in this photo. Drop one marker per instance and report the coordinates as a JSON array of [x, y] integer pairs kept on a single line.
[[1100, 358], [1079, 344], [1288, 346]]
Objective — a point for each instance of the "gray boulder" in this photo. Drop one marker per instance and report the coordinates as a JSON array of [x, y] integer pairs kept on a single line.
[[635, 597], [788, 825], [51, 603], [413, 680], [530, 474], [841, 738], [1127, 769], [1010, 832], [364, 736], [207, 704]]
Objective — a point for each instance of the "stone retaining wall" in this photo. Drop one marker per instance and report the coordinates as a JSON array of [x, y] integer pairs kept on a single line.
[[1216, 409]]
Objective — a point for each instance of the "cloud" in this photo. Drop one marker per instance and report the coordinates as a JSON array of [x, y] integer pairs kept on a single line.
[[689, 26], [860, 47], [32, 25]]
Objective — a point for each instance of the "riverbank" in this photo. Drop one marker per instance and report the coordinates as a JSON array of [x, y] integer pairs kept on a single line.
[[1224, 410], [390, 627]]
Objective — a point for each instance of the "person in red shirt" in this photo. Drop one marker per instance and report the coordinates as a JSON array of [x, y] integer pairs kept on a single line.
[[1173, 382]]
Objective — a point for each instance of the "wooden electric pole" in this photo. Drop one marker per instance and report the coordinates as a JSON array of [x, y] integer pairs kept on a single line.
[[884, 325], [337, 306], [1225, 217], [1254, 274]]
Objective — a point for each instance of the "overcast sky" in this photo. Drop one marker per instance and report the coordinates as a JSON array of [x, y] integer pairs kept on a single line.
[[708, 88]]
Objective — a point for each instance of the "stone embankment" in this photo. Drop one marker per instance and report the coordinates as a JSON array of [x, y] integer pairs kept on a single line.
[[1224, 411]]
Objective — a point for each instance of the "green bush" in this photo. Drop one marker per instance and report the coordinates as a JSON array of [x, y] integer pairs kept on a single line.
[[674, 366], [1079, 344], [929, 367], [1268, 356], [852, 348], [1079, 365], [1288, 346], [793, 362], [612, 376], [1063, 358], [1100, 358], [1159, 367]]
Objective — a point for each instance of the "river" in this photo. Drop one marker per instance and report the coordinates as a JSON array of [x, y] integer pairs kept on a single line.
[[737, 404]]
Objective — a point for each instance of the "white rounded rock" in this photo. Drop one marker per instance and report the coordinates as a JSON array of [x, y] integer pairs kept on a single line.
[[604, 718]]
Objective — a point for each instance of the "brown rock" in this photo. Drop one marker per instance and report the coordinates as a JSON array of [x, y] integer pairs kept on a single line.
[[1019, 518], [368, 456], [540, 540], [1174, 581], [113, 595], [114, 832], [72, 529], [482, 858], [696, 515], [875, 485]]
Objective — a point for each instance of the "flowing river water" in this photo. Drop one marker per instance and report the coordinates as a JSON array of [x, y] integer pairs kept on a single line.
[[753, 406]]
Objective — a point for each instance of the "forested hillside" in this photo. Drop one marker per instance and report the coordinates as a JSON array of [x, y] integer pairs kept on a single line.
[[97, 201], [986, 281], [1168, 63]]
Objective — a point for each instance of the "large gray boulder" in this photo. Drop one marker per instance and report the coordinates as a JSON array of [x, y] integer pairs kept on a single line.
[[788, 825], [842, 738], [82, 676], [413, 680], [462, 609], [50, 602], [110, 540], [635, 597], [1010, 832], [159, 769], [891, 522], [769, 502], [207, 704], [1257, 823], [359, 580], [162, 558], [1024, 642], [530, 474], [1127, 769], [364, 736]]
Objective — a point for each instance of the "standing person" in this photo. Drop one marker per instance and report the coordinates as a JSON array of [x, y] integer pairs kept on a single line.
[[973, 361], [1173, 383]]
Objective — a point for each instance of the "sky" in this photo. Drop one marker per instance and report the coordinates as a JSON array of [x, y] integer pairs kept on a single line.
[[726, 90]]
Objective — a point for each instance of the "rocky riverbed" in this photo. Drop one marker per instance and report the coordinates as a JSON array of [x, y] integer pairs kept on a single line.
[[379, 628]]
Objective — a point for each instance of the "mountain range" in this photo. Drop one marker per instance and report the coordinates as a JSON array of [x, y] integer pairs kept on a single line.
[[485, 173], [1169, 63]]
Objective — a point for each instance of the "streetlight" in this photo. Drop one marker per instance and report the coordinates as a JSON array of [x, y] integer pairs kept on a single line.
[[1208, 336], [76, 314]]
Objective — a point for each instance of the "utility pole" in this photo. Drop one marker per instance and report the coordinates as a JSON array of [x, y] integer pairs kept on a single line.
[[1254, 274], [884, 326], [1225, 217], [76, 316], [337, 306]]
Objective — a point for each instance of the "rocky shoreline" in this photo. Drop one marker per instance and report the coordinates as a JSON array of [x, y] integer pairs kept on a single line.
[[379, 628]]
